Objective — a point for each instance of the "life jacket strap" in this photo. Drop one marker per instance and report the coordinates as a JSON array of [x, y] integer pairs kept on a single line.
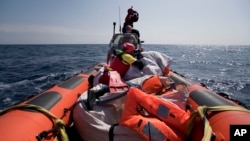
[[111, 132]]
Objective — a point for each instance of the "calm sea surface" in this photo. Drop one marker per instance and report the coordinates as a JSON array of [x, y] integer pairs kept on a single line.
[[29, 69]]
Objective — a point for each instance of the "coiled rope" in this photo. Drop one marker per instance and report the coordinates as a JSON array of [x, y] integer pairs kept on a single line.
[[202, 111], [58, 124]]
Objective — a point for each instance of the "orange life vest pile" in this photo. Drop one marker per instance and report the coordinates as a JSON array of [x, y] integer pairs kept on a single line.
[[166, 121]]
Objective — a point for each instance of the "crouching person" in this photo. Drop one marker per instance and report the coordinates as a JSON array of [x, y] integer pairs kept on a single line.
[[124, 59]]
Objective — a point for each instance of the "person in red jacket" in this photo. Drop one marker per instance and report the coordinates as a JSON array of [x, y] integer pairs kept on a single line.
[[131, 17], [120, 63], [118, 67], [124, 58]]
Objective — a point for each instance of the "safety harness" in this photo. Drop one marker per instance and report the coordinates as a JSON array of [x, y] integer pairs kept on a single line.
[[202, 111], [58, 124]]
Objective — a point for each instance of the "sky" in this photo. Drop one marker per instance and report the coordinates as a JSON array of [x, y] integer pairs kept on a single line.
[[202, 22]]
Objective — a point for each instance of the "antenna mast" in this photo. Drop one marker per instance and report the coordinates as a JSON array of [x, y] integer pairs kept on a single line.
[[120, 28], [114, 28]]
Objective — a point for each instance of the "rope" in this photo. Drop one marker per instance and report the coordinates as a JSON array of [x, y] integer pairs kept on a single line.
[[59, 125], [202, 110]]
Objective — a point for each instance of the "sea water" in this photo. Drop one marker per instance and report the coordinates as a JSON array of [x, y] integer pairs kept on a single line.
[[27, 70]]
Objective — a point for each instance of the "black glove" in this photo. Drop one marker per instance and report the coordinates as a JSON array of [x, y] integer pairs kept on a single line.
[[138, 54], [138, 64], [135, 17]]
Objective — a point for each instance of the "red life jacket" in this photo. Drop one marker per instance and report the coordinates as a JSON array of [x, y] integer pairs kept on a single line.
[[114, 81], [120, 66]]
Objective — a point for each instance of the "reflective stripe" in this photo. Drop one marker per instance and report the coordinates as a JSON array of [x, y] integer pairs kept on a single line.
[[152, 132], [162, 111]]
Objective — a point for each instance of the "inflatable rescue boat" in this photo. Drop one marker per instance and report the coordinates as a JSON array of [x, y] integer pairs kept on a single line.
[[29, 121], [211, 114], [45, 116]]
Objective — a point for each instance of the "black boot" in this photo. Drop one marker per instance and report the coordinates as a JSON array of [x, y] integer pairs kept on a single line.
[[91, 80], [101, 91], [91, 99], [93, 95]]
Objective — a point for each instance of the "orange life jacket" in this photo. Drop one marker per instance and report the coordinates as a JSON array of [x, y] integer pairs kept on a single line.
[[152, 85], [169, 121]]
